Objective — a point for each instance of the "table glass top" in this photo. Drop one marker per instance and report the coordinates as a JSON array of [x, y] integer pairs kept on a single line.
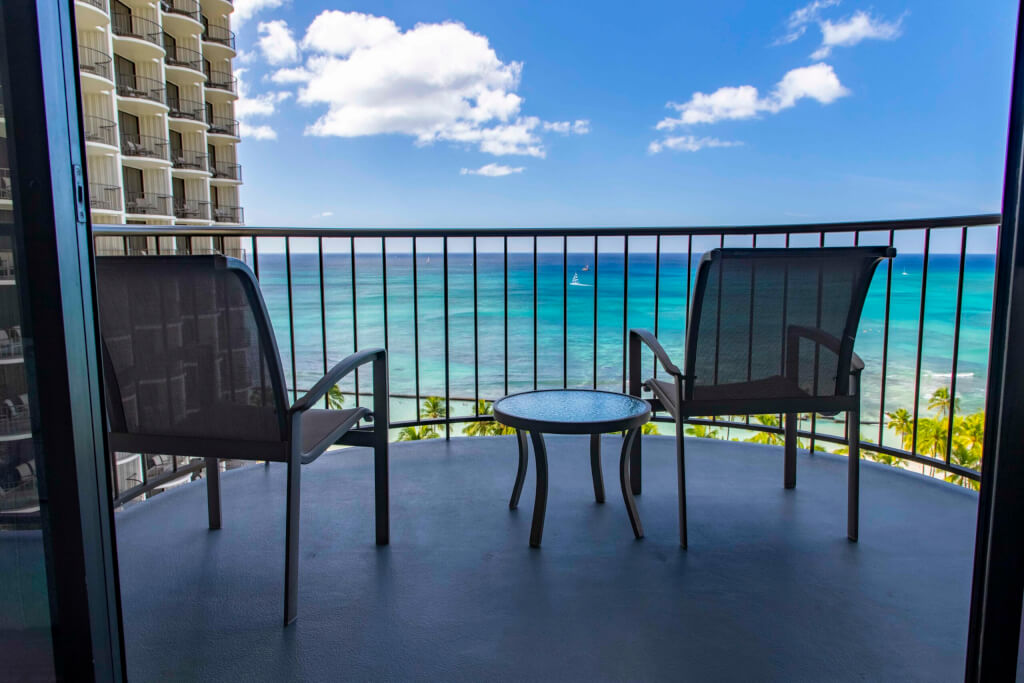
[[572, 405]]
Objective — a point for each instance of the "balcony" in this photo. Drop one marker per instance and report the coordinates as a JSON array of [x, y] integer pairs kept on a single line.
[[140, 87], [188, 110], [147, 204], [184, 58], [227, 171], [221, 80], [104, 197], [228, 214], [94, 62], [188, 160], [6, 190], [218, 35], [191, 209], [184, 8], [769, 589], [223, 126], [100, 131], [126, 25], [143, 146]]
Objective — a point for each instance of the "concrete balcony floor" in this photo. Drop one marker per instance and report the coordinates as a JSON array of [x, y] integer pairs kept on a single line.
[[770, 589]]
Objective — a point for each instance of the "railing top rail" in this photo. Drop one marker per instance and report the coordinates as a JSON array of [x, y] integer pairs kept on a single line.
[[611, 231]]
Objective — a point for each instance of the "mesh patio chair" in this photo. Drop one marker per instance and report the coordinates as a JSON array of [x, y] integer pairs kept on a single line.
[[770, 331], [191, 368]]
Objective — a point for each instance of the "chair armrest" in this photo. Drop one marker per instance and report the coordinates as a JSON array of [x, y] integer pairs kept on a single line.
[[825, 339], [334, 375], [659, 351]]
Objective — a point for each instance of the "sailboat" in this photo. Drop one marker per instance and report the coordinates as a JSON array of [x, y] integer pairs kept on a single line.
[[575, 282]]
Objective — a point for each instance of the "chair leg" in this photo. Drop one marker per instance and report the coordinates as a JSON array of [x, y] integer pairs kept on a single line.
[[627, 496], [524, 460], [291, 542], [381, 493], [681, 480], [213, 492], [789, 466], [853, 484], [595, 467]]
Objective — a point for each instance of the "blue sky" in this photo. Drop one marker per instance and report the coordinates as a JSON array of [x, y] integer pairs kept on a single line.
[[368, 120]]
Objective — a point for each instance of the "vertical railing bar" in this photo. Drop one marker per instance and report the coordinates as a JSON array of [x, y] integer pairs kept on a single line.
[[447, 365], [625, 306], [594, 322], [534, 312], [415, 328], [721, 245], [291, 313], [384, 296], [505, 308], [785, 322], [476, 340], [323, 310], [920, 334], [657, 290], [750, 322], [565, 311], [255, 257], [817, 354], [124, 245], [689, 274], [956, 344], [355, 319], [885, 344]]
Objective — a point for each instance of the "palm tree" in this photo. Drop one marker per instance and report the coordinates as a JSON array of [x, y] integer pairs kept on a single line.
[[335, 399], [940, 402], [417, 433], [433, 407], [931, 436], [702, 431], [481, 427], [649, 428], [902, 422], [770, 438]]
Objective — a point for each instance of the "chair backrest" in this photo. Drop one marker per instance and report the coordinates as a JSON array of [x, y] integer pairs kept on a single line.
[[188, 350], [747, 303]]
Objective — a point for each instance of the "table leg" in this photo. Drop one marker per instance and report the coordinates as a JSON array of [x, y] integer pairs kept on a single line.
[[595, 467], [524, 459], [540, 502], [627, 490]]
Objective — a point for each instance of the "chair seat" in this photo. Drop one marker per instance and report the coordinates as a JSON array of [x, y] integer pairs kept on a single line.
[[323, 427], [768, 389]]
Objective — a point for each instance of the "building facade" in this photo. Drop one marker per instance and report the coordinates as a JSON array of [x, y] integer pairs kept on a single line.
[[158, 100]]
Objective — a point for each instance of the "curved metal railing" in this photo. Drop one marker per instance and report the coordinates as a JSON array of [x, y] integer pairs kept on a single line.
[[100, 130], [930, 306], [132, 85], [183, 57], [219, 34], [95, 62], [127, 25]]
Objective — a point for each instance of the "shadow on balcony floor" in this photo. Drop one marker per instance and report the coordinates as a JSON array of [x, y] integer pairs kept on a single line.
[[770, 588]]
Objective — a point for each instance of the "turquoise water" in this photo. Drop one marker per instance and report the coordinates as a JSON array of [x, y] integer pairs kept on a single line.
[[553, 292]]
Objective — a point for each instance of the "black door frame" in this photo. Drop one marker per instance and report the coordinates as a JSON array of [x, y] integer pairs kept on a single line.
[[54, 261], [998, 589]]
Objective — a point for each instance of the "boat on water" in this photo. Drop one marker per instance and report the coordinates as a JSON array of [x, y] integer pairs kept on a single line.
[[586, 268], [575, 282]]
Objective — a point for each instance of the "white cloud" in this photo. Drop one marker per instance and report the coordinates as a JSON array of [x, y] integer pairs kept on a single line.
[[796, 25], [261, 132], [276, 42], [689, 143], [577, 127], [248, 106], [850, 31], [818, 82], [492, 170], [323, 214], [433, 82], [246, 9]]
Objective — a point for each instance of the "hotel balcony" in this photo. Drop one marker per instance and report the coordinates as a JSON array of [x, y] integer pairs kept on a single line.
[[218, 35], [140, 87], [143, 147], [227, 171], [133, 26], [5, 184], [188, 160], [189, 110], [96, 64], [100, 131], [147, 204], [191, 209], [183, 8], [221, 80], [104, 197], [223, 126], [184, 58], [228, 214]]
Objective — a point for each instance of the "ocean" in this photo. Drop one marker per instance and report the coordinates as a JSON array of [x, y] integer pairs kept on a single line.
[[364, 327]]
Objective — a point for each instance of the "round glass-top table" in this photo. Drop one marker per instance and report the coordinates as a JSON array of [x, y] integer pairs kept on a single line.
[[572, 411]]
